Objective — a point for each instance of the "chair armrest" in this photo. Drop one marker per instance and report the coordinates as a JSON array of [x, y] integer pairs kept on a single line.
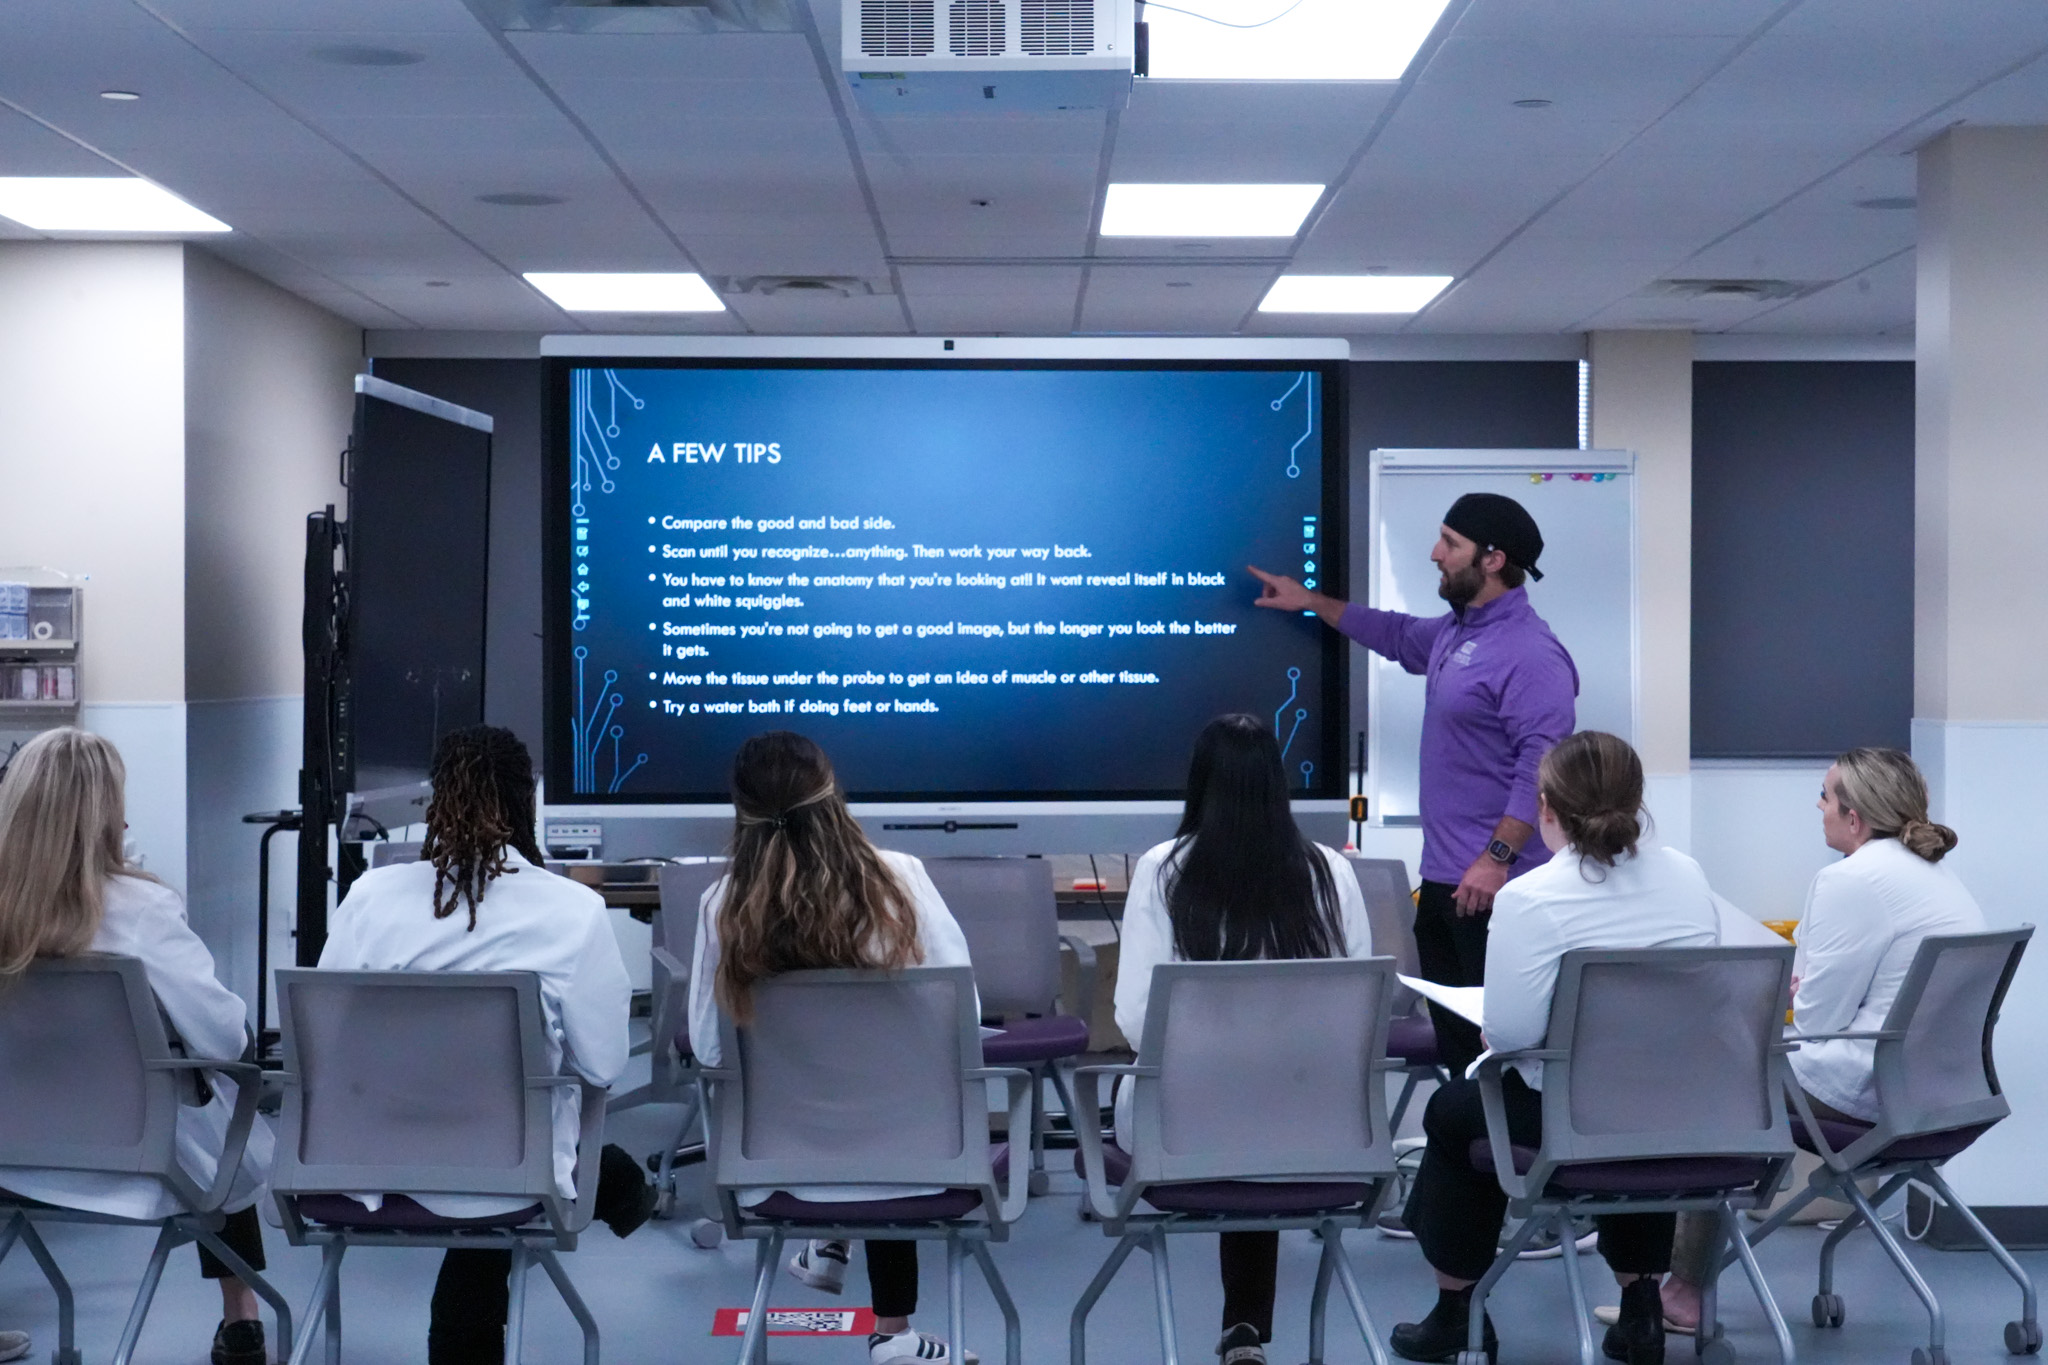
[[248, 1079], [1875, 1035], [1088, 1136], [1487, 1072], [1017, 1084], [590, 1139], [672, 1006], [1082, 1006]]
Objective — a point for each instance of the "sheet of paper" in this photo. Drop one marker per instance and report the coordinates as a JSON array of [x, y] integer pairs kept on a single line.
[[1467, 1002], [1739, 929]]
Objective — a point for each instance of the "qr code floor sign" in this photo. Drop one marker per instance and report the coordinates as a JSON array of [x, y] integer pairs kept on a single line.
[[798, 1322]]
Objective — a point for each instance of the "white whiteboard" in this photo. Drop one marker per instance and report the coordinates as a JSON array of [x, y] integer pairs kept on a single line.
[[1584, 502]]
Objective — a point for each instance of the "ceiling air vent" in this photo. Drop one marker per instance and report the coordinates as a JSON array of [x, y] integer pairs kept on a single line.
[[1058, 28], [897, 28], [1734, 291], [975, 28]]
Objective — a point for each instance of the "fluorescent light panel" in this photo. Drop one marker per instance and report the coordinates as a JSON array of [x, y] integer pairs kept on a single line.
[[99, 204], [671, 292], [1207, 210], [1317, 40], [1352, 293]]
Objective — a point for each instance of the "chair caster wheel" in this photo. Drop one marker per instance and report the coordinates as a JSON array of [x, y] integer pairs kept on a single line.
[[2023, 1338], [1930, 1355], [706, 1233], [1038, 1182], [1716, 1351], [1828, 1310]]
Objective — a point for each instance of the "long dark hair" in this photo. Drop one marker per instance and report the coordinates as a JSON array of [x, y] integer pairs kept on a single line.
[[482, 806], [808, 890], [1241, 881]]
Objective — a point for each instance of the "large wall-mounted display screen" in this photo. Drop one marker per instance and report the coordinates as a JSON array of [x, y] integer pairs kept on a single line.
[[966, 580]]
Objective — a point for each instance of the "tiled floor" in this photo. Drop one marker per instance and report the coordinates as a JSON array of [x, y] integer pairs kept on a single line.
[[654, 1296]]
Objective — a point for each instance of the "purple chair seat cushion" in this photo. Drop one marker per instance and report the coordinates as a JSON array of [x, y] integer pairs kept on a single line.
[[681, 1042], [919, 1208], [1647, 1176], [400, 1214], [1412, 1038], [1238, 1197], [1925, 1147], [1042, 1039]]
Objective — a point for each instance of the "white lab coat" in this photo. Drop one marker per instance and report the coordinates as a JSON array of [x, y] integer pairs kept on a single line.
[[1654, 898], [1865, 917], [1148, 941], [146, 920], [938, 934], [528, 920]]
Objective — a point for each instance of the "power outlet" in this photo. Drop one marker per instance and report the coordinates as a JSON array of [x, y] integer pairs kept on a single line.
[[575, 839]]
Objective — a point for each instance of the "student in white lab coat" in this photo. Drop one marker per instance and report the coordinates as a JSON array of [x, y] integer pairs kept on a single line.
[[479, 900], [65, 889], [1237, 882], [808, 891], [1602, 891], [1864, 919]]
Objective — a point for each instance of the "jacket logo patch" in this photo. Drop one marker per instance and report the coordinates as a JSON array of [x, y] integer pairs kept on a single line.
[[1462, 655]]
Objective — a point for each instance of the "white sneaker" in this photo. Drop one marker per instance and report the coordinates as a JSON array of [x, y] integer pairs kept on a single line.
[[914, 1348], [14, 1345], [821, 1265]]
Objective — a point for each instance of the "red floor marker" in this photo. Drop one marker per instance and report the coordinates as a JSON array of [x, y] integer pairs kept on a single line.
[[798, 1322]]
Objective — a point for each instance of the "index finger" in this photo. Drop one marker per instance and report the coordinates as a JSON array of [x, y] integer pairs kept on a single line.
[[1264, 577]]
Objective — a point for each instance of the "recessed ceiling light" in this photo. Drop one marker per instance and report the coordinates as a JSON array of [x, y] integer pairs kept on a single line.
[[1313, 40], [99, 204], [1180, 284], [673, 292], [1352, 293], [1532, 104], [362, 54], [1207, 210], [123, 96], [520, 199]]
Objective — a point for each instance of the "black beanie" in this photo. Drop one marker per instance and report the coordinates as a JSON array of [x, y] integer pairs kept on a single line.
[[1498, 523]]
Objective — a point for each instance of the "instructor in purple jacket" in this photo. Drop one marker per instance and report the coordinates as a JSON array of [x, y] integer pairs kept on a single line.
[[1501, 692]]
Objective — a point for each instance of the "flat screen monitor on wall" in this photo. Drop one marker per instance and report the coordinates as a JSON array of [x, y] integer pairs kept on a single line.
[[992, 584]]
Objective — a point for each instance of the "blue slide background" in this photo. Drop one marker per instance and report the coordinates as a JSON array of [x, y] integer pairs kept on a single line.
[[1180, 471]]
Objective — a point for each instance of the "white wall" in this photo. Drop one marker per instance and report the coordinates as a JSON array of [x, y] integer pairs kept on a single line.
[[92, 456], [268, 402]]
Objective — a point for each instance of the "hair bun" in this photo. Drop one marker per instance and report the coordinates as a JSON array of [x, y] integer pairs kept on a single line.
[[1927, 839]]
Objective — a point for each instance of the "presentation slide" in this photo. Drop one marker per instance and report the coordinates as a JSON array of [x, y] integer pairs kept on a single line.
[[973, 583]]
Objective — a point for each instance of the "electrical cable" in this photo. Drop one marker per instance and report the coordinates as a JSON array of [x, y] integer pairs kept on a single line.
[[1102, 901], [1225, 23]]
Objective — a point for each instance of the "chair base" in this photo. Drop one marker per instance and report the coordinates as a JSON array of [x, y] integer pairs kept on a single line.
[[173, 1232], [2023, 1336]]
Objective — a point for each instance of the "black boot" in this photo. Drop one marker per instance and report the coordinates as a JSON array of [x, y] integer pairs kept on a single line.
[[1442, 1335], [1637, 1336]]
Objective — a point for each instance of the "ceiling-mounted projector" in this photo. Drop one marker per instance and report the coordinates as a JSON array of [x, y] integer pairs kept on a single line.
[[992, 56]]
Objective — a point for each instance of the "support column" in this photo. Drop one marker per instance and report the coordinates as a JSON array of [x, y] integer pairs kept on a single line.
[[1980, 619], [1642, 401]]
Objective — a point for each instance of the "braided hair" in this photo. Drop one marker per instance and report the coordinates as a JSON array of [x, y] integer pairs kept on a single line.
[[483, 805]]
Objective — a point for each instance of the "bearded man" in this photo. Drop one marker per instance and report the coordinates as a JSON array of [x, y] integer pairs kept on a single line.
[[1501, 691]]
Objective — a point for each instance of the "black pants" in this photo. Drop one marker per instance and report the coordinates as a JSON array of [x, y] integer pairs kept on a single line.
[[1249, 1261], [1451, 950], [473, 1292], [243, 1234], [892, 1278], [1456, 1212]]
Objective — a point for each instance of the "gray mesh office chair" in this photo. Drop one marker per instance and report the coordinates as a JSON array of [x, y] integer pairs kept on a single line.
[[1937, 1092], [1259, 1103], [1007, 910], [1411, 1037], [1662, 1091], [92, 1084], [864, 1078], [672, 1072], [423, 1083]]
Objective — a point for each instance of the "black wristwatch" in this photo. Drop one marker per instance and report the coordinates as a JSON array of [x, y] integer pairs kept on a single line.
[[1499, 851]]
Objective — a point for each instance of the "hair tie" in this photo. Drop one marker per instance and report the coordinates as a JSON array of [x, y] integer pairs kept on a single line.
[[780, 821]]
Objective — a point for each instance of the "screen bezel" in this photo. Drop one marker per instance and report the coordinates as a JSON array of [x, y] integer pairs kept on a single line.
[[1332, 762]]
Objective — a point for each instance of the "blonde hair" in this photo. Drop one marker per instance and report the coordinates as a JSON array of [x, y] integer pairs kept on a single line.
[[1885, 787], [61, 813], [808, 890]]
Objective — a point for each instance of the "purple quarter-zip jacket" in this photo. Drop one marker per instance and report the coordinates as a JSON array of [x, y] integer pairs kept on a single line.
[[1501, 692]]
